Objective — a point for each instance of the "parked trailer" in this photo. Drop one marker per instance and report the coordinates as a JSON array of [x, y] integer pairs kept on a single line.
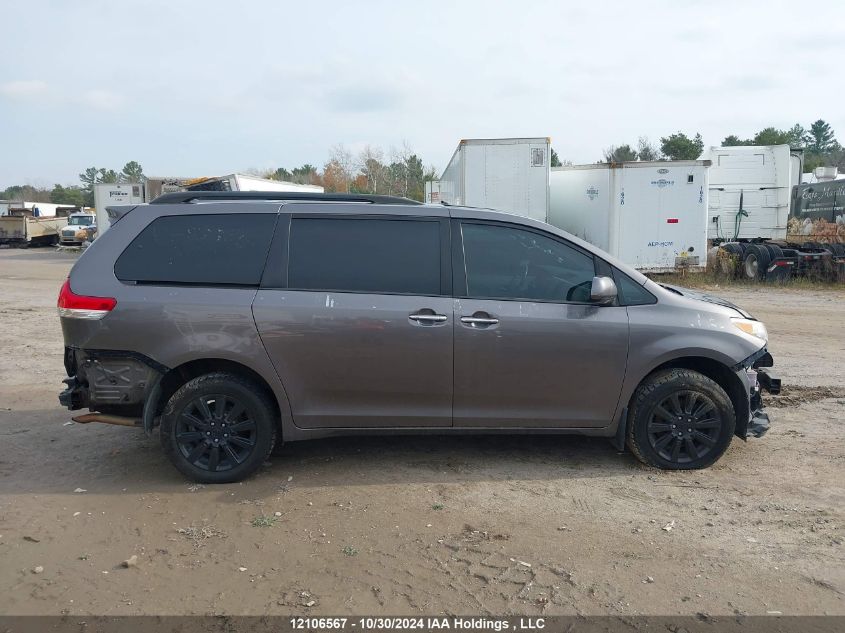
[[432, 192], [157, 186], [757, 225], [242, 182], [106, 195], [505, 174], [19, 227], [37, 209], [651, 215]]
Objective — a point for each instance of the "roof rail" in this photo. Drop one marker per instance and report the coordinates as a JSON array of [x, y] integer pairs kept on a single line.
[[181, 197]]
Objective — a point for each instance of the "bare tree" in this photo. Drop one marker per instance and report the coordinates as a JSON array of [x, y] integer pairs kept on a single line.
[[371, 166], [342, 159], [645, 150]]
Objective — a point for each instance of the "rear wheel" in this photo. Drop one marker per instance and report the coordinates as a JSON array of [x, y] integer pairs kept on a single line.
[[756, 261], [680, 419], [218, 428], [775, 251]]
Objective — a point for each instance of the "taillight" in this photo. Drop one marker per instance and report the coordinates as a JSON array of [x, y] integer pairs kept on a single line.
[[76, 306]]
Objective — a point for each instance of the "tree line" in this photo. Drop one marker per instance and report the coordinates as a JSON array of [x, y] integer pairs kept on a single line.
[[397, 172], [401, 172], [81, 195], [818, 142]]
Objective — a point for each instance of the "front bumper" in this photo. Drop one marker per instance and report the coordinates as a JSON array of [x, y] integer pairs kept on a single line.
[[759, 377]]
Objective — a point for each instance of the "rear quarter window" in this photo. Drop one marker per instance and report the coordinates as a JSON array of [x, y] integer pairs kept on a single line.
[[219, 249]]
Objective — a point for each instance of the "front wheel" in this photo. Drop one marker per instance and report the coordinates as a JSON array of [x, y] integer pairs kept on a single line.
[[218, 428], [680, 419]]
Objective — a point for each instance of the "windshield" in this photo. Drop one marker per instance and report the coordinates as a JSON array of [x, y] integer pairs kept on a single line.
[[81, 220]]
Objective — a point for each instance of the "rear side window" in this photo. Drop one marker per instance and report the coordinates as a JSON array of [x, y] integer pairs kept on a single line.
[[225, 249], [365, 255]]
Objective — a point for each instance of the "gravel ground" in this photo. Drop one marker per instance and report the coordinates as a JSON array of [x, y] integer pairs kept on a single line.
[[402, 525]]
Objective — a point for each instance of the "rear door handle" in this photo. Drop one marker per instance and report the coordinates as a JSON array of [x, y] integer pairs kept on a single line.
[[427, 319], [479, 320]]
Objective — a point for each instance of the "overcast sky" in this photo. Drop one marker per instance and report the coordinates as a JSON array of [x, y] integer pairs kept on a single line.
[[207, 88]]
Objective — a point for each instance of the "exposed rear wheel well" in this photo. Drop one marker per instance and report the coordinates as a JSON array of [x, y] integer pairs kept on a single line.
[[721, 375], [178, 376]]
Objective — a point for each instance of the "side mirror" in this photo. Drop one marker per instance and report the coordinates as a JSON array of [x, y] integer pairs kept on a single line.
[[603, 291]]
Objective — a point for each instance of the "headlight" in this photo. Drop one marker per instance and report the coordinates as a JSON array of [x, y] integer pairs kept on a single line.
[[754, 328]]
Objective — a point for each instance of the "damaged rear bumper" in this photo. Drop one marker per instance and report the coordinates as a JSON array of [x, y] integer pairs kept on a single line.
[[108, 381]]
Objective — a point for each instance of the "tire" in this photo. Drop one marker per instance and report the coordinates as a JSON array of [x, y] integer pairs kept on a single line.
[[755, 262], [247, 415], [734, 248], [775, 251], [701, 403]]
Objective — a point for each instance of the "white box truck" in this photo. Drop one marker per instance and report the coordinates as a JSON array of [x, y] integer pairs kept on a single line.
[[505, 174], [108, 195], [764, 223], [650, 215]]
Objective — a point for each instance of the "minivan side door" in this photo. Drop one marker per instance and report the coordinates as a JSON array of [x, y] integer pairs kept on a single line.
[[356, 316], [530, 348]]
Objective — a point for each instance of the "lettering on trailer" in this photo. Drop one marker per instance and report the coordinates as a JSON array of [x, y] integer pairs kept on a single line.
[[592, 193], [622, 197], [662, 170], [660, 244], [700, 195], [118, 194], [663, 183]]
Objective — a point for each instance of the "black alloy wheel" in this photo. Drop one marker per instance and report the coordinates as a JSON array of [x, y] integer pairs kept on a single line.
[[684, 427], [680, 419], [215, 432], [219, 427]]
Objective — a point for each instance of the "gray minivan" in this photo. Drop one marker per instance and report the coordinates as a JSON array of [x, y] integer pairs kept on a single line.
[[236, 320]]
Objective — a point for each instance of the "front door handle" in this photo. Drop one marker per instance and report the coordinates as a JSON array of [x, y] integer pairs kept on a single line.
[[479, 321]]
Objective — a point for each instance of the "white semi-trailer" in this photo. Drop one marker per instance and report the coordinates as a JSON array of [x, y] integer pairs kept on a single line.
[[506, 174], [650, 215]]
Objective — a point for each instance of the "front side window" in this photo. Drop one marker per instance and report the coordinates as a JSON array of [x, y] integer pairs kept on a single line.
[[505, 262], [365, 255], [630, 292], [221, 249]]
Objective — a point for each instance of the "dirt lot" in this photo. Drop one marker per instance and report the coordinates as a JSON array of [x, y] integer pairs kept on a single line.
[[523, 525]]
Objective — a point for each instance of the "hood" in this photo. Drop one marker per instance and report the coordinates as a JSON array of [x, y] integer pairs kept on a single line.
[[702, 296]]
